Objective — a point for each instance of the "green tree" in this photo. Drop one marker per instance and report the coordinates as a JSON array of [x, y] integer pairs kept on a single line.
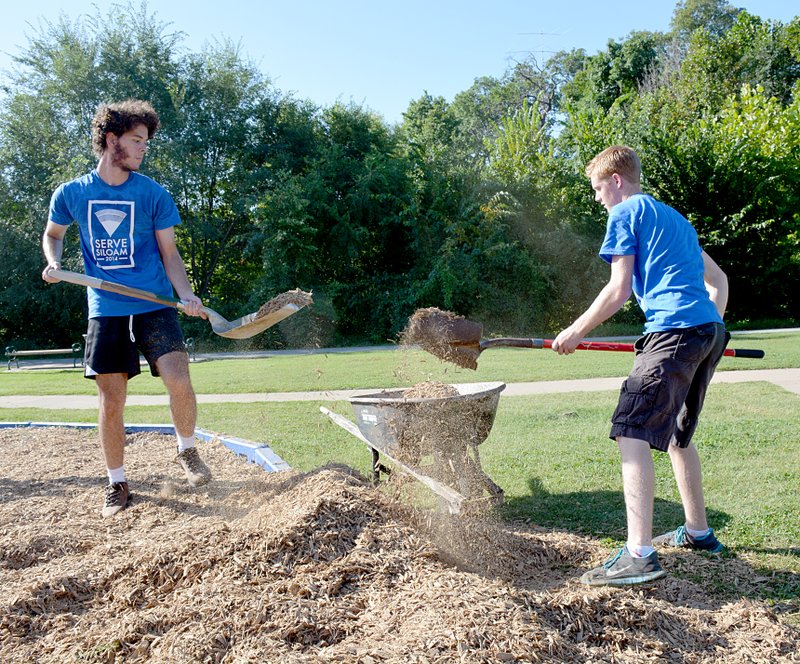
[[439, 177], [615, 74], [45, 116], [337, 223], [707, 123], [714, 16], [214, 166], [480, 109], [429, 129], [543, 199]]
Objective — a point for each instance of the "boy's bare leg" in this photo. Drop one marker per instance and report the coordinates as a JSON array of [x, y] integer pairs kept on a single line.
[[174, 370], [689, 478], [112, 391], [638, 480]]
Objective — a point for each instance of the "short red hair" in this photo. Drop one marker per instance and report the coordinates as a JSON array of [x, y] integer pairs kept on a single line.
[[618, 159]]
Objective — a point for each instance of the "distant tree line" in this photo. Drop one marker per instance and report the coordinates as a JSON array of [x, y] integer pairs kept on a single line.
[[478, 205]]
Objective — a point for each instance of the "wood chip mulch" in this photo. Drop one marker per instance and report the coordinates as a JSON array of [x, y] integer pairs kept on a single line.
[[318, 567], [297, 297], [432, 329], [430, 389]]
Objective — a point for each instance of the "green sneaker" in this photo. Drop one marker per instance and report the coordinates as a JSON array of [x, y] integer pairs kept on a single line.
[[623, 569], [680, 538]]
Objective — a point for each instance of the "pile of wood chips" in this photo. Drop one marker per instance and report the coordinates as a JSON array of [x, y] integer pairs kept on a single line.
[[430, 389], [319, 567], [431, 330], [299, 298]]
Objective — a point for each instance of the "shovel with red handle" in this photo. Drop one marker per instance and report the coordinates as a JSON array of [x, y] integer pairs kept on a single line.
[[455, 339]]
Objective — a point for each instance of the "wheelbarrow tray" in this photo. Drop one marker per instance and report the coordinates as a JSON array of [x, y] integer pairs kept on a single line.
[[409, 428]]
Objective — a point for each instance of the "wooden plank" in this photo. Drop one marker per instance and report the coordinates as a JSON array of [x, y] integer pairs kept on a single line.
[[33, 353]]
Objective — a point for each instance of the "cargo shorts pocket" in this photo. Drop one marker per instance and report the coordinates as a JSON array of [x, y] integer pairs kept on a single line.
[[639, 400]]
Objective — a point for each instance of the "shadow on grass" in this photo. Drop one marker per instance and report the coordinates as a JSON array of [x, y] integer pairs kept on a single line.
[[780, 586], [600, 514]]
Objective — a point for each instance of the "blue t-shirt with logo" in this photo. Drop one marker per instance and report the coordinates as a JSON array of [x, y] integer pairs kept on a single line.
[[668, 270], [118, 227]]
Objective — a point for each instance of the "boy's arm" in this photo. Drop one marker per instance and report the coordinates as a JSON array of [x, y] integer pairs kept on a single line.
[[176, 272], [53, 246], [608, 301], [716, 283]]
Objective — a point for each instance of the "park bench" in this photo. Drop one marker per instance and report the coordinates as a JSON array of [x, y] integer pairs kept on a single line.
[[13, 355]]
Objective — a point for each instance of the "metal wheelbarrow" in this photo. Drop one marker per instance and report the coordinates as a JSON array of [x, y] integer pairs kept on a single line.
[[433, 439]]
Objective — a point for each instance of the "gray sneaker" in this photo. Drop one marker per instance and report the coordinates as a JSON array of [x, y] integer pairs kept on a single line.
[[623, 569], [680, 538], [196, 471], [116, 498]]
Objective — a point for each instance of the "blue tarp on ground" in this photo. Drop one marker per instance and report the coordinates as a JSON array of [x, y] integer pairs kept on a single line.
[[259, 453]]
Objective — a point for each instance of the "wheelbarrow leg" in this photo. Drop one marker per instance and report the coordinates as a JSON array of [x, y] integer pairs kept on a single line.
[[376, 466]]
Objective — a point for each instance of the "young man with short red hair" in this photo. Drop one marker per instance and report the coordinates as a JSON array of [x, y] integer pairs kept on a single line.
[[654, 253]]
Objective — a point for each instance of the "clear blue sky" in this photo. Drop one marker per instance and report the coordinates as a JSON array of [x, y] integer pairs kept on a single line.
[[380, 53]]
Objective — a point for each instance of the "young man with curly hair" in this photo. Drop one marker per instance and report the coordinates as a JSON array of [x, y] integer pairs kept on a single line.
[[127, 234]]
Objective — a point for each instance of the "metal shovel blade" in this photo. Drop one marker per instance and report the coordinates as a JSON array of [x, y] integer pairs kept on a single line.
[[274, 311]]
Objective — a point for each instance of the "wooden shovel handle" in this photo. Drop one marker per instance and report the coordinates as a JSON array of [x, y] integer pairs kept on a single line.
[[121, 289]]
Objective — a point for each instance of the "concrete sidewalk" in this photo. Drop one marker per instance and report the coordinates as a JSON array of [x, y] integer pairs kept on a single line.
[[788, 379]]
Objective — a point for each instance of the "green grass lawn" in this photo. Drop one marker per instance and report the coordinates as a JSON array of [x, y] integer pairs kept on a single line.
[[550, 453], [291, 373]]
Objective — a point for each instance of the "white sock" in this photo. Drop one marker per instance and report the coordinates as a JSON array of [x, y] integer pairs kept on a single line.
[[639, 551], [116, 475], [698, 534], [184, 442]]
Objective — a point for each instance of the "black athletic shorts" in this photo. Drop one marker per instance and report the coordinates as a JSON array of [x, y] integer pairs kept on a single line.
[[662, 397], [113, 343]]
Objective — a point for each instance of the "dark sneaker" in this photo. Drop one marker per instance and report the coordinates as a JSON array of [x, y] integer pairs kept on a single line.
[[196, 471], [117, 496], [623, 569], [680, 538]]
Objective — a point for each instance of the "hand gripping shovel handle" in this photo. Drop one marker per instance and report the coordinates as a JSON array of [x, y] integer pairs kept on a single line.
[[600, 345], [121, 289]]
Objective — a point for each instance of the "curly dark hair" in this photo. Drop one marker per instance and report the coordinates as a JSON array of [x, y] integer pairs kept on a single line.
[[120, 117]]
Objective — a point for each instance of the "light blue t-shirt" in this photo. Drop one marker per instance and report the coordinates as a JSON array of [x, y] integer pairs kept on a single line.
[[118, 227], [668, 271]]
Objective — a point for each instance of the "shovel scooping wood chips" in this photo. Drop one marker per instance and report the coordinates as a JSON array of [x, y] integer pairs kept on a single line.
[[270, 313], [455, 339]]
